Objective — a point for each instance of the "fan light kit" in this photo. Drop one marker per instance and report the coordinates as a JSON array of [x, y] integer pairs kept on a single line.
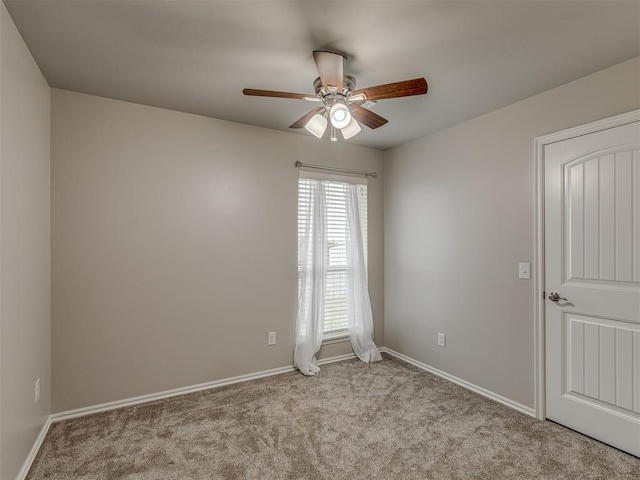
[[317, 125], [340, 115], [342, 108]]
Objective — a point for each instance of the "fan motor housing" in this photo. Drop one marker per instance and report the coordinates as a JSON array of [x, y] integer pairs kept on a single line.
[[348, 86]]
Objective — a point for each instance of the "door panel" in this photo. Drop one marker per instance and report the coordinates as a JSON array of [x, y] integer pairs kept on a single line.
[[599, 362], [599, 206], [592, 258]]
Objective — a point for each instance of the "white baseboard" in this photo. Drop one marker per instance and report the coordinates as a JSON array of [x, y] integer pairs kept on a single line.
[[80, 412], [337, 358], [34, 450], [128, 402], [104, 407], [463, 383]]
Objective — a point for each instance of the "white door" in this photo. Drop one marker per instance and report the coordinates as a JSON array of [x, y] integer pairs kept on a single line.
[[592, 261]]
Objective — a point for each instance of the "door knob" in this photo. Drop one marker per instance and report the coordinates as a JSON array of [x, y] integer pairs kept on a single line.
[[554, 297]]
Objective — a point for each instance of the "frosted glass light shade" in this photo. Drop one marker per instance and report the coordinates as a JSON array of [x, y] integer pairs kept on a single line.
[[317, 125], [340, 115], [351, 130]]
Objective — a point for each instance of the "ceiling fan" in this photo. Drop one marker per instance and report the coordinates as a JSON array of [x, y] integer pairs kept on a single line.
[[342, 105]]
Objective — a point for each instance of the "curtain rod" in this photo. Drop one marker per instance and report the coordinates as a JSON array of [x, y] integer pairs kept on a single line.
[[334, 169]]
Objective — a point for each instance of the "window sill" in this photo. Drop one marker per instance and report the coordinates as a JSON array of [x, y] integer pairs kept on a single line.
[[335, 338]]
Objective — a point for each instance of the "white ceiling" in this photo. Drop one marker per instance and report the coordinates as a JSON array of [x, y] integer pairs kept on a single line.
[[196, 56]]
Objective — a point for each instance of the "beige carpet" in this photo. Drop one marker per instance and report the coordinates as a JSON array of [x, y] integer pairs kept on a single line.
[[388, 420]]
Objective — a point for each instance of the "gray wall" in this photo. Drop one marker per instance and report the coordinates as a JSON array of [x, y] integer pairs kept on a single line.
[[24, 249], [174, 247], [459, 218]]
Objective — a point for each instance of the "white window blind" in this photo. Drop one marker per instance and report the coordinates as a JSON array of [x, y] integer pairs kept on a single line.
[[335, 315]]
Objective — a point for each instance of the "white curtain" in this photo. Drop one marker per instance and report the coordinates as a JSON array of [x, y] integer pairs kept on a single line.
[[359, 305], [312, 255], [313, 261]]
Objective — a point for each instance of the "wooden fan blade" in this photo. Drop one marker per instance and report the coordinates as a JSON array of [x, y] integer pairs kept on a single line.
[[271, 93], [330, 67], [367, 117], [407, 88], [302, 121]]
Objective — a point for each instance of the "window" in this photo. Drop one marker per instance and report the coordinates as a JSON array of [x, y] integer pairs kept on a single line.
[[336, 311]]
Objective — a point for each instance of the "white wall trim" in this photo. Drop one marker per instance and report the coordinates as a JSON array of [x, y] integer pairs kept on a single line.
[[337, 358], [539, 302], [463, 383], [538, 284], [104, 407], [598, 125], [128, 402], [34, 450]]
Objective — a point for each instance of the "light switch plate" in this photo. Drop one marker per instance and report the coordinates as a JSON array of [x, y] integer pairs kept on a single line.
[[525, 271]]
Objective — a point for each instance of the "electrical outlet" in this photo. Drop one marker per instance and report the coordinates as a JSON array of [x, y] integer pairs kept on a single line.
[[441, 339], [37, 388], [271, 338]]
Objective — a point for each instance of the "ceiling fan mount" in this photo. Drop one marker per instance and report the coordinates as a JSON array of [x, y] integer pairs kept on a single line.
[[342, 105]]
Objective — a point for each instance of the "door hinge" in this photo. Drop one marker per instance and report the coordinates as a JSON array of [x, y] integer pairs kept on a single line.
[[544, 295]]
